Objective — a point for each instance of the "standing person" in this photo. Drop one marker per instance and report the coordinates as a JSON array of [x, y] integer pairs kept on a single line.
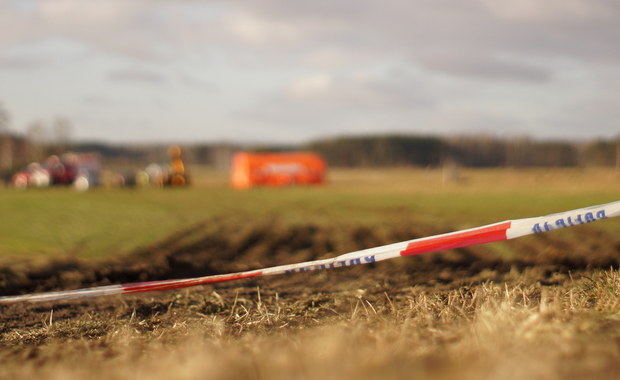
[[177, 175]]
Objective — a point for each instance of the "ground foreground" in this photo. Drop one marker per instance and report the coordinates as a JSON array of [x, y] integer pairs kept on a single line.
[[537, 307], [552, 311]]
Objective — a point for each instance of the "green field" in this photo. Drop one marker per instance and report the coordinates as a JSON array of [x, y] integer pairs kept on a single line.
[[102, 222], [538, 307]]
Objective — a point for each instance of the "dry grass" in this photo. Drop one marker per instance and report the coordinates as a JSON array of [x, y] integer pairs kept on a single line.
[[514, 330]]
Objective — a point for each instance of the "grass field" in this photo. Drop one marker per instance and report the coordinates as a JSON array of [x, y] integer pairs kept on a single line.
[[104, 222], [545, 306]]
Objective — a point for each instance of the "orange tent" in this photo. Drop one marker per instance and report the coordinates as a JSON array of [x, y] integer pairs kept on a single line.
[[276, 169]]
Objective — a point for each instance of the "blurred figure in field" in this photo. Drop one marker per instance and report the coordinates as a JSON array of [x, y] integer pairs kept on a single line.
[[39, 177], [156, 174], [177, 175], [33, 176], [63, 171]]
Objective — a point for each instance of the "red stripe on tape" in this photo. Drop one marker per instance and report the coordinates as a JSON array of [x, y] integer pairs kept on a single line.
[[482, 235], [177, 284]]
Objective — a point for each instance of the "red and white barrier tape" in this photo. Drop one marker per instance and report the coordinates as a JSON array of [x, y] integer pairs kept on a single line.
[[480, 235]]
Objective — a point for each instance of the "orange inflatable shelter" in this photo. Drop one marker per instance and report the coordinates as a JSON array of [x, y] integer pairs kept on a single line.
[[276, 169]]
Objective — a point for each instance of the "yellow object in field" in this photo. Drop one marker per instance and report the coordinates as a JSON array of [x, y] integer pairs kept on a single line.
[[177, 167]]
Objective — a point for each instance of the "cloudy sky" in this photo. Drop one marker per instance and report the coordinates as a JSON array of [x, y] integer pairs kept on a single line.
[[291, 71]]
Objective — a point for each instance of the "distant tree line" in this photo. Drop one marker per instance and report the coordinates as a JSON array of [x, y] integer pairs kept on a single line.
[[380, 150], [352, 151], [469, 151], [521, 152], [395, 150]]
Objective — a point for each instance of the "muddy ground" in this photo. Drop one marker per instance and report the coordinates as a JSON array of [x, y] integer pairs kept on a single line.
[[221, 246], [466, 313]]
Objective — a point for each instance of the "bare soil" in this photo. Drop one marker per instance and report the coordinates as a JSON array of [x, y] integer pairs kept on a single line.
[[219, 246], [33, 334]]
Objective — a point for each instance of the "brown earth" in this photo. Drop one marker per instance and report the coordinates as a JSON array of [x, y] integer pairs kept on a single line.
[[221, 246], [413, 315]]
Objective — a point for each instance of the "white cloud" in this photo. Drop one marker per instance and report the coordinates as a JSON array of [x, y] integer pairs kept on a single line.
[[485, 67], [333, 58], [536, 10], [310, 86], [136, 74], [93, 13], [24, 62], [357, 90], [253, 30]]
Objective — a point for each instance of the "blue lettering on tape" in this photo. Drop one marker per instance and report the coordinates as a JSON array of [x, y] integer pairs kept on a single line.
[[369, 259], [588, 217], [337, 264]]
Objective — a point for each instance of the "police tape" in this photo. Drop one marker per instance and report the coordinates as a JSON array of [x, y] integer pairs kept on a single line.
[[486, 234]]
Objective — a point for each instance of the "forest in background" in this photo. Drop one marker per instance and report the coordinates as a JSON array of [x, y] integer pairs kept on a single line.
[[400, 150], [348, 151]]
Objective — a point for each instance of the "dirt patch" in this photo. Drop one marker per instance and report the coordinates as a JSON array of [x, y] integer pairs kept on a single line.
[[224, 246], [431, 301]]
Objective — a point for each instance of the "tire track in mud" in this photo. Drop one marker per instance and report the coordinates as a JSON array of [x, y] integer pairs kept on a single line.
[[230, 245]]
